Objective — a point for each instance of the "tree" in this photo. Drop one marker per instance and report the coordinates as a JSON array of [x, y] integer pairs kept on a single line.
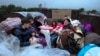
[[10, 8], [18, 8], [24, 9], [81, 10], [93, 11], [88, 12], [32, 9], [3, 9]]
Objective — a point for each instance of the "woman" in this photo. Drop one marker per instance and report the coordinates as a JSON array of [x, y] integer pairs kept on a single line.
[[67, 24], [59, 26], [77, 33], [54, 24], [37, 23], [55, 32], [45, 29]]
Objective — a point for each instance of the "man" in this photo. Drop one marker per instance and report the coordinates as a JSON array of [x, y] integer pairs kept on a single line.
[[23, 33]]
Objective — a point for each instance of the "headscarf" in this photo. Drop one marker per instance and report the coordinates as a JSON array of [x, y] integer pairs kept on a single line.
[[75, 22]]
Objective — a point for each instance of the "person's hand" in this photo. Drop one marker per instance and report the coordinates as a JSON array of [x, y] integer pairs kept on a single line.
[[32, 41], [54, 30], [51, 32]]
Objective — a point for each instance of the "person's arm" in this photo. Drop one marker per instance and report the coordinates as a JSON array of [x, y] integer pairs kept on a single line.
[[58, 30], [32, 41], [45, 27], [17, 33], [42, 41], [25, 43]]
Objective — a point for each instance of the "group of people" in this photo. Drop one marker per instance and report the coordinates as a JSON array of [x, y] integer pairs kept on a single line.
[[25, 37], [31, 37]]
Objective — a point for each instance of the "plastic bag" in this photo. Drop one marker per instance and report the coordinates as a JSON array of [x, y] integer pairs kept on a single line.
[[47, 37], [9, 45], [33, 51]]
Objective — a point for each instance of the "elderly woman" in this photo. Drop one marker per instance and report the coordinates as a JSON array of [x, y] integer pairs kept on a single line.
[[77, 33]]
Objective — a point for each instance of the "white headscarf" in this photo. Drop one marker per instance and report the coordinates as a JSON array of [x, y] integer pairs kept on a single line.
[[75, 22]]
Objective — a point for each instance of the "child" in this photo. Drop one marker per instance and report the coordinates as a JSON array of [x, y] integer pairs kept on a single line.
[[38, 39], [45, 29], [33, 38], [41, 39], [59, 27]]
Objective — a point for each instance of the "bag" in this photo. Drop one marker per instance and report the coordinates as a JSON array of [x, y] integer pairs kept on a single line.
[[10, 23], [68, 43]]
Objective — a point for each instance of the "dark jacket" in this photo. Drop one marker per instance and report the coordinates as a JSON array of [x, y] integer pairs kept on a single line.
[[36, 25], [23, 35]]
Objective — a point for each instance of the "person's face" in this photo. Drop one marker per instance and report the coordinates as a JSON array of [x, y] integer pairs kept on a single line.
[[27, 25], [66, 22], [39, 20], [54, 23], [45, 23], [31, 21], [74, 28], [33, 34], [37, 34]]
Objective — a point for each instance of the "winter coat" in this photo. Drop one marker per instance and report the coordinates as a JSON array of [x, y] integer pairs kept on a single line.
[[23, 35]]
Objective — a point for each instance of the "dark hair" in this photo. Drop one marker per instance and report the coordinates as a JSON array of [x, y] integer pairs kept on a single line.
[[66, 15], [67, 20], [54, 22], [37, 17], [33, 31], [59, 21], [29, 16], [46, 21], [24, 20]]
